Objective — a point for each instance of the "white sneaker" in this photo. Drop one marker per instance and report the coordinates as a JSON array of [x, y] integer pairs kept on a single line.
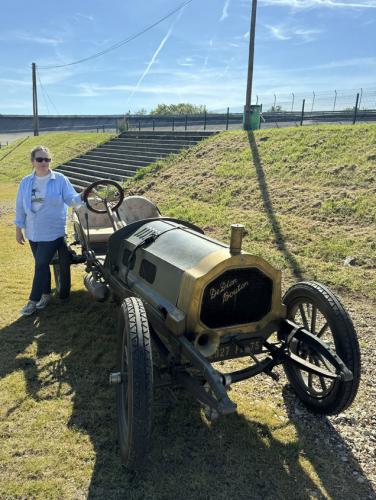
[[44, 301], [29, 308]]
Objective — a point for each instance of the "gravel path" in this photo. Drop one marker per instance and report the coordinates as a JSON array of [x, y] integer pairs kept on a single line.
[[357, 425], [351, 436]]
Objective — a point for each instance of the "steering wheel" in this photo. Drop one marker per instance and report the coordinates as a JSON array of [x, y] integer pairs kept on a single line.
[[104, 192]]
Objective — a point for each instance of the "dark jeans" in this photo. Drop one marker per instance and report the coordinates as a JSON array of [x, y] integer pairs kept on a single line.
[[43, 252]]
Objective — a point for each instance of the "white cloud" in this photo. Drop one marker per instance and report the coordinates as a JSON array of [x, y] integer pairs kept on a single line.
[[79, 17], [359, 62], [89, 90], [225, 10], [20, 83], [199, 89], [25, 105], [333, 4], [277, 32], [187, 61], [28, 37], [287, 33]]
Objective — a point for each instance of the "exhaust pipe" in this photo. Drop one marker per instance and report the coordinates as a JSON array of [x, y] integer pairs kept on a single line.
[[98, 290], [207, 343]]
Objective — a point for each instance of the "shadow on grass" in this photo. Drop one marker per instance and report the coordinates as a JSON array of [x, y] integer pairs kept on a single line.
[[268, 207], [236, 457]]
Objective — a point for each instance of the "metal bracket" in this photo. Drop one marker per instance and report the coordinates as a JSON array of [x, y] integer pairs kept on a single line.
[[300, 334]]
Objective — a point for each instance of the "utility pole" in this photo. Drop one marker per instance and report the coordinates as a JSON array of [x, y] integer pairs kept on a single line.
[[247, 107], [35, 100]]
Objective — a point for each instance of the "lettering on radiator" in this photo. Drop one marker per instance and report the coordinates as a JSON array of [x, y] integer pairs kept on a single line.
[[228, 289]]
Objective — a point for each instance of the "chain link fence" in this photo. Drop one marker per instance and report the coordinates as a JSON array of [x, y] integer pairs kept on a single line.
[[330, 100], [278, 110]]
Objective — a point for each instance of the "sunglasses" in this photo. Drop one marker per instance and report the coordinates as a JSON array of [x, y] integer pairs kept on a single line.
[[39, 160]]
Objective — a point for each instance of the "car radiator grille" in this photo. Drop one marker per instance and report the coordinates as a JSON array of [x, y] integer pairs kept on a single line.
[[236, 297]]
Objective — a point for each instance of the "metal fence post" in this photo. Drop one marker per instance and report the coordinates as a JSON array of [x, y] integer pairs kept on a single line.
[[302, 117], [205, 119], [227, 117], [139, 125], [313, 100], [356, 108], [153, 125], [173, 123], [186, 122], [293, 99], [103, 128]]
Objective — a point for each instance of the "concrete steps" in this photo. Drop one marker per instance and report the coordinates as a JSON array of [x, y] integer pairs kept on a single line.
[[119, 159], [115, 174], [96, 156]]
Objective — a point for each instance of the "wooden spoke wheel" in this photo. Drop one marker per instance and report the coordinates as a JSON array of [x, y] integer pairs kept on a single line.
[[62, 272], [319, 311], [135, 391]]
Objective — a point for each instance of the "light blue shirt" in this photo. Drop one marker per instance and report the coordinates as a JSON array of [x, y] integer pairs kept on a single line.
[[48, 223]]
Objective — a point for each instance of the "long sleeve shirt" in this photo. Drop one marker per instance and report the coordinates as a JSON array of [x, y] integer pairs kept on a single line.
[[48, 223]]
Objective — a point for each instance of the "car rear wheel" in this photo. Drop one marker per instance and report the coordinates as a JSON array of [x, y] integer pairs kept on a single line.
[[135, 391], [318, 310]]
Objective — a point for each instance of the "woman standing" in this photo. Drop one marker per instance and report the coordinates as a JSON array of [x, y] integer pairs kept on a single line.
[[41, 211]]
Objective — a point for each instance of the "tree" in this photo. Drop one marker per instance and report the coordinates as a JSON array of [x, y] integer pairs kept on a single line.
[[275, 109], [141, 112], [178, 109]]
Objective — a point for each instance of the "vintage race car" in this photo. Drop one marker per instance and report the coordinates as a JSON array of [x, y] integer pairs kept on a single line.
[[189, 301]]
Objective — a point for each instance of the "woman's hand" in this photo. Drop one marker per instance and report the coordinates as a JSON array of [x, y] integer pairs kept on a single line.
[[83, 193], [19, 236]]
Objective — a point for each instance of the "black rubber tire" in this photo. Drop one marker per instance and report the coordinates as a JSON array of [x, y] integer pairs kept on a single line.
[[134, 395], [338, 395], [62, 272]]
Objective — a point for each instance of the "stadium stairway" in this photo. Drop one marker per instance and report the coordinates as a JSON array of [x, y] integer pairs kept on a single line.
[[120, 158]]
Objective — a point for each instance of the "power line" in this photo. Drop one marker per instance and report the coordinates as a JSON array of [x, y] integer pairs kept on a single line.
[[44, 96], [122, 42], [46, 93]]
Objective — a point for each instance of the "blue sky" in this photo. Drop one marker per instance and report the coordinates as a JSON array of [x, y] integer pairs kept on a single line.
[[198, 55]]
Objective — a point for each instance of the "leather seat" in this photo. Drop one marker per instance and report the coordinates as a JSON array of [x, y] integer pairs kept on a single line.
[[136, 208]]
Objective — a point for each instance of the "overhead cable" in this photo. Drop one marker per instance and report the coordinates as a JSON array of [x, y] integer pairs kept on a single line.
[[122, 42], [45, 93]]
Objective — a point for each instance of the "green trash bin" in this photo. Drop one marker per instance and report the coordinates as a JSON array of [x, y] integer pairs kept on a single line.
[[255, 117]]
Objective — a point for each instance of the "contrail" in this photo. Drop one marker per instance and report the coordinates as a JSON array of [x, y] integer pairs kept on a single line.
[[225, 10], [155, 55]]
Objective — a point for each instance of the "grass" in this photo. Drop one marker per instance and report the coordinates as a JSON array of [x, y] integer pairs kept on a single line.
[[57, 412], [14, 158], [306, 196]]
